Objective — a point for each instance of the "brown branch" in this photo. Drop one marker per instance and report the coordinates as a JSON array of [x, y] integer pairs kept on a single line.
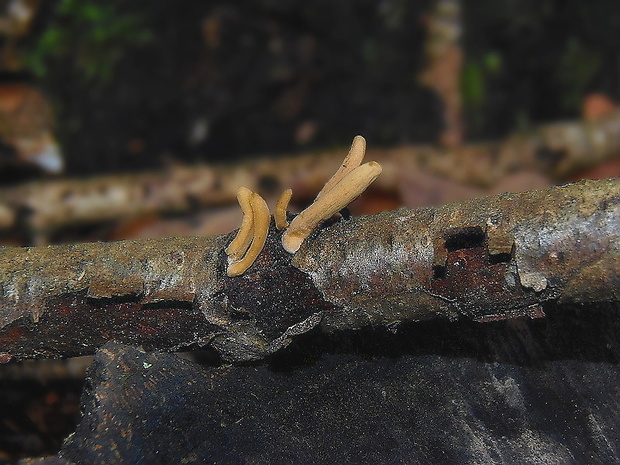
[[444, 57], [493, 258], [555, 149]]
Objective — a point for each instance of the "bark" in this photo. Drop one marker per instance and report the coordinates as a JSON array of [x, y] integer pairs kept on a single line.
[[556, 150], [492, 258]]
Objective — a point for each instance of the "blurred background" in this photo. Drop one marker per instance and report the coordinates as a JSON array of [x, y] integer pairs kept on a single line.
[[123, 119], [456, 98]]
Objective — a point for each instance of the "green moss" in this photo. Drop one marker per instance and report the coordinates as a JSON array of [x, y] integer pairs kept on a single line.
[[89, 35], [476, 77], [492, 62], [472, 85]]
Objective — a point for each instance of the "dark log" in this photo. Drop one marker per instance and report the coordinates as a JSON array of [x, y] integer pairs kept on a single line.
[[519, 391], [492, 258]]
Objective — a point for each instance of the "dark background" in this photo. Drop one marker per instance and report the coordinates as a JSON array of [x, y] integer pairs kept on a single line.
[[132, 81]]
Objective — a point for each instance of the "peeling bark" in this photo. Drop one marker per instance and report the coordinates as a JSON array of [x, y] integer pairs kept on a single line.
[[492, 258]]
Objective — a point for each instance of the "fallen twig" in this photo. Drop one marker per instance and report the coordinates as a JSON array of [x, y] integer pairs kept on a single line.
[[491, 258], [555, 150]]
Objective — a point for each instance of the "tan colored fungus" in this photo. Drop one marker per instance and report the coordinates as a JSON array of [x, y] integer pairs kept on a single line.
[[339, 196], [344, 186], [261, 219], [351, 161], [239, 246], [281, 207]]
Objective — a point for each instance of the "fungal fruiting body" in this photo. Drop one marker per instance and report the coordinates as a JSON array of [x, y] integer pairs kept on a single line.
[[250, 240], [239, 246], [279, 214], [351, 179], [345, 185], [351, 161]]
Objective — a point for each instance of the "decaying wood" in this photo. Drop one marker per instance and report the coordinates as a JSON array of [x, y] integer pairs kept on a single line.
[[518, 392], [554, 149], [492, 258]]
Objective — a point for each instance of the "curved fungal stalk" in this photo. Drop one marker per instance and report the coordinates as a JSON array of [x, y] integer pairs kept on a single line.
[[281, 206], [338, 197], [351, 161], [239, 246], [261, 220]]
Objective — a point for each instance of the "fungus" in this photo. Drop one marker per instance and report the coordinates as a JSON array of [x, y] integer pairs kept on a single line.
[[281, 206], [241, 242], [351, 179], [344, 186], [351, 161], [259, 230]]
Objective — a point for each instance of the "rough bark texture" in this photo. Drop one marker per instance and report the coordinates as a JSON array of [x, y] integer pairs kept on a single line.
[[162, 294], [488, 258], [492, 258], [555, 149], [517, 391]]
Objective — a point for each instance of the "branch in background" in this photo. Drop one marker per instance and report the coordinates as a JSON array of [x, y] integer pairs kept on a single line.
[[493, 258], [444, 62], [556, 149]]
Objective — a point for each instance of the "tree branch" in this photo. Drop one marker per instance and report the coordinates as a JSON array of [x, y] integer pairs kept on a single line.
[[554, 149], [492, 258]]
